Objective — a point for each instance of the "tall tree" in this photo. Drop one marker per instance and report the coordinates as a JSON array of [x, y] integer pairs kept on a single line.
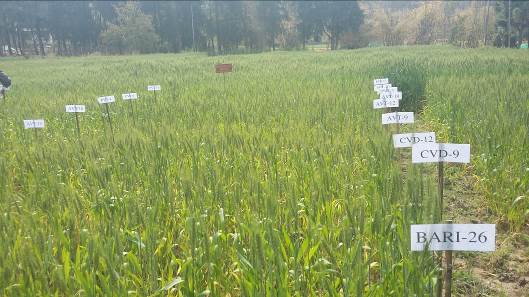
[[308, 19], [227, 19], [132, 32], [337, 17], [270, 15]]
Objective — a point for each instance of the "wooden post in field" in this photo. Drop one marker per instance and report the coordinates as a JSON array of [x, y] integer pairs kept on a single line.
[[154, 88], [440, 153], [106, 100], [224, 68], [76, 109], [133, 116], [448, 273], [440, 185], [35, 124], [78, 126], [131, 96], [440, 188], [450, 237], [109, 120]]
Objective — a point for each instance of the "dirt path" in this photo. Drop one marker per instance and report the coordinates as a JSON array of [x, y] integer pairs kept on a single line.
[[504, 272]]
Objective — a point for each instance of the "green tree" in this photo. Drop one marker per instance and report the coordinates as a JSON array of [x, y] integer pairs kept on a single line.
[[519, 20], [270, 14], [308, 19], [132, 32], [338, 17]]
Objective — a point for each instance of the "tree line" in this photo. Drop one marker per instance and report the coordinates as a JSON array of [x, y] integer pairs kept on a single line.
[[461, 23], [219, 27]]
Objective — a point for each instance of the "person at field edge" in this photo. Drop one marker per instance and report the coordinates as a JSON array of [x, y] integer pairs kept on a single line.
[[5, 82]]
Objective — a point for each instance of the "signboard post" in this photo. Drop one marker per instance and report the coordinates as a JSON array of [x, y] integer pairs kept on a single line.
[[393, 95], [440, 153], [224, 68], [449, 268], [106, 100], [76, 109], [34, 124], [452, 237], [154, 88], [131, 96]]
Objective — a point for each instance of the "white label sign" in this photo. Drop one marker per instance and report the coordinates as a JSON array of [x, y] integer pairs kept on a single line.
[[382, 88], [391, 95], [129, 96], [34, 124], [75, 108], [398, 118], [440, 152], [381, 81], [454, 237], [409, 139], [106, 99], [381, 103], [154, 88]]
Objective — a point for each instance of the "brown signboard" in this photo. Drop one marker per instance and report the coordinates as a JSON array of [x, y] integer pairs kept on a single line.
[[222, 68]]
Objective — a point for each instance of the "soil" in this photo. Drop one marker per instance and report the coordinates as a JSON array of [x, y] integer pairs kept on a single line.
[[504, 272]]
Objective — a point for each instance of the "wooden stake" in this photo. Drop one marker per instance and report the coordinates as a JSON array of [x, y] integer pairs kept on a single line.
[[397, 118], [386, 110], [440, 185], [397, 156], [132, 109], [78, 127], [225, 91], [109, 120], [448, 273], [440, 276]]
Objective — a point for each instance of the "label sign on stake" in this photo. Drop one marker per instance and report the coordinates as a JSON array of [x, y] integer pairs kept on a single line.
[[382, 88], [454, 237], [129, 96], [390, 95], [222, 68], [382, 103], [409, 139], [440, 152], [154, 88], [381, 81], [397, 118], [75, 108], [106, 99], [34, 124]]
